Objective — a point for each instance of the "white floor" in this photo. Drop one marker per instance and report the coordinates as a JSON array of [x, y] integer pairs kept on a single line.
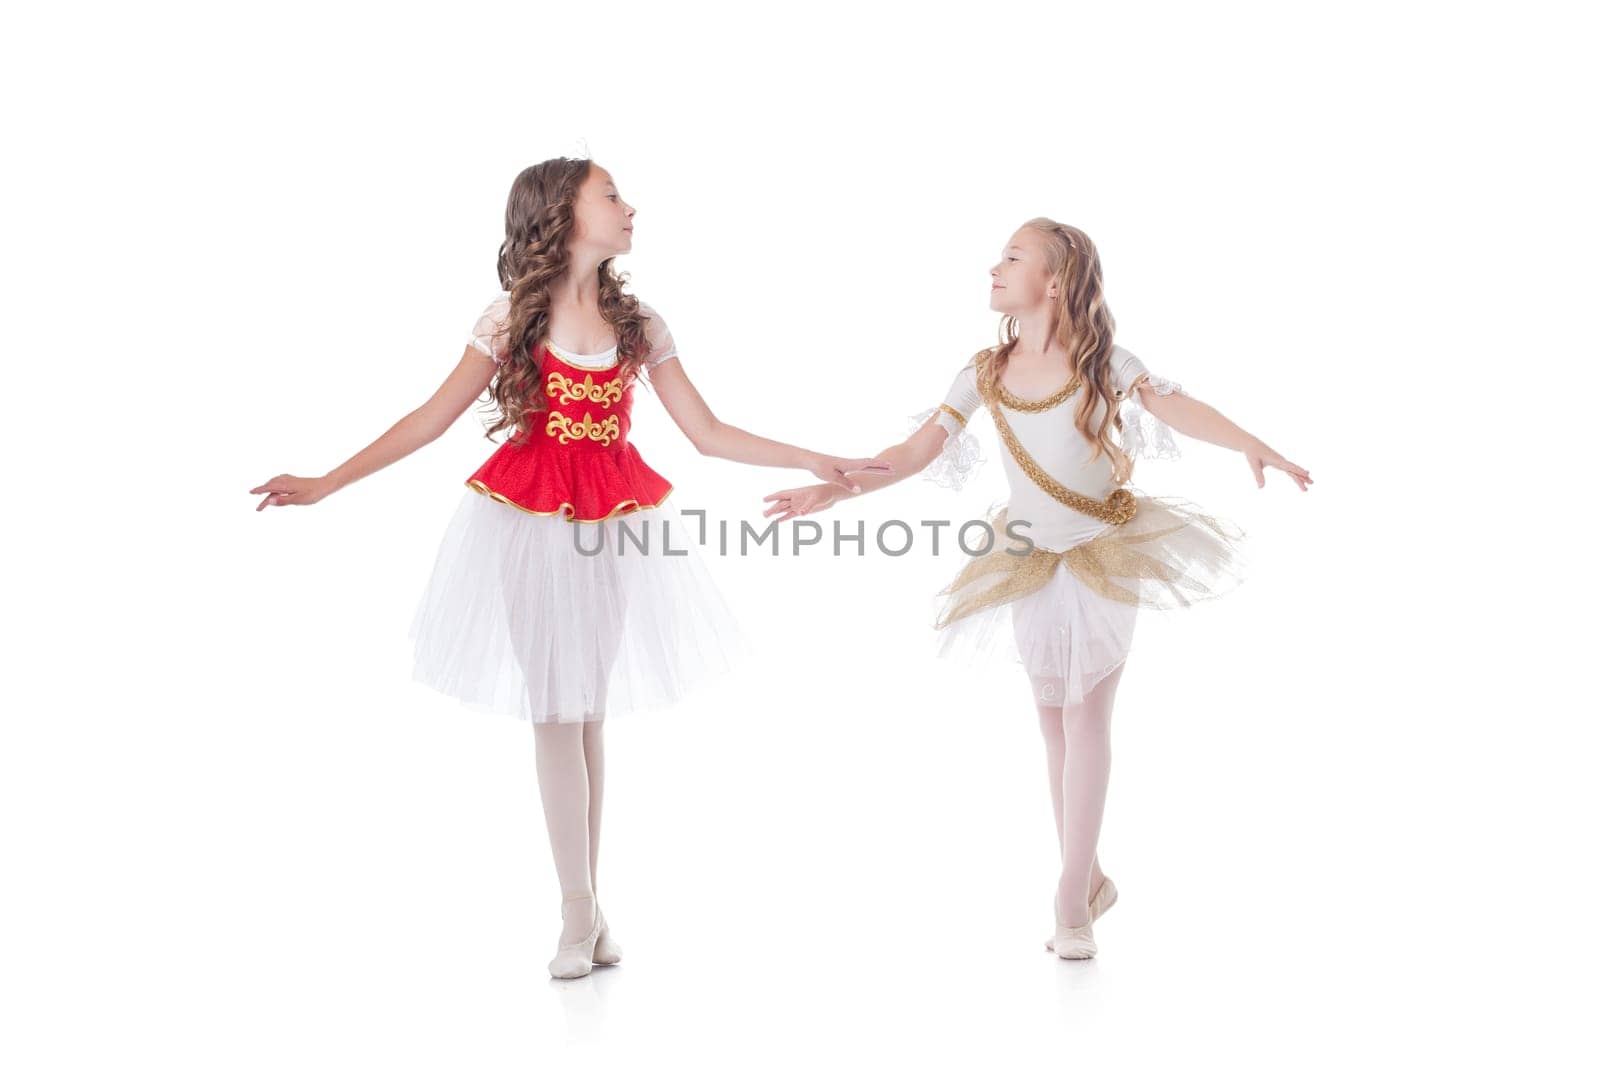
[[369, 883]]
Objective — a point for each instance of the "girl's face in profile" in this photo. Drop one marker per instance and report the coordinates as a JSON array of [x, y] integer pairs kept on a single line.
[[1020, 282], [602, 220]]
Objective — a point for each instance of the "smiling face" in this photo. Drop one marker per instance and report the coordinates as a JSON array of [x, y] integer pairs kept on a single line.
[[1021, 281], [602, 220]]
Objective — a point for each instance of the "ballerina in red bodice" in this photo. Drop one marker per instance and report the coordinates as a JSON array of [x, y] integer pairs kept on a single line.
[[579, 463], [518, 617]]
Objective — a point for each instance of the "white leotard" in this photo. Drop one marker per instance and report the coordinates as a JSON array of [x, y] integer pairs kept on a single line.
[[1057, 445]]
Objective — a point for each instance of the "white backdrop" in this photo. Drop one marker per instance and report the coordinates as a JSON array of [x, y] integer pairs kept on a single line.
[[1348, 802]]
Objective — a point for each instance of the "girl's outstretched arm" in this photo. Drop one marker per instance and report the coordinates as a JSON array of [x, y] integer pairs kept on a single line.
[[1195, 418], [1154, 403], [420, 427], [713, 437], [946, 424], [905, 459]]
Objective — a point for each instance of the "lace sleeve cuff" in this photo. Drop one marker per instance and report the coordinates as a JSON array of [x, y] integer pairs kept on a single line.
[[1143, 435], [959, 457]]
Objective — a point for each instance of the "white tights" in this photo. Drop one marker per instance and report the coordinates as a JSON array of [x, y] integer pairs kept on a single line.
[[571, 765], [1077, 743], [1077, 737]]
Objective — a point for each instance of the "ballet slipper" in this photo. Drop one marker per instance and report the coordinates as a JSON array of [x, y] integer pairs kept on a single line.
[[606, 949], [576, 959], [1074, 942], [1099, 904]]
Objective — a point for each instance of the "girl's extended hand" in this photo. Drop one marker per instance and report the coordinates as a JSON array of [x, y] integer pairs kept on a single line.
[[804, 501], [287, 489], [1260, 456], [833, 469]]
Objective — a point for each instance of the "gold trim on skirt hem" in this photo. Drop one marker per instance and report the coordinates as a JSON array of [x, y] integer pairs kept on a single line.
[[566, 510], [1169, 555]]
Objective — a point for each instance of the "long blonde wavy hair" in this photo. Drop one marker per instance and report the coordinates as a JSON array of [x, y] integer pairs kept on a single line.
[[533, 256], [1082, 325]]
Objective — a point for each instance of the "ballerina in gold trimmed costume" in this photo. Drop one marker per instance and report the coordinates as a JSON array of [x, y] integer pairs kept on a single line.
[[1075, 552]]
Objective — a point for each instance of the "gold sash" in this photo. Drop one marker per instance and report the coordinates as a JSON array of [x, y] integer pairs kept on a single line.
[[1117, 508]]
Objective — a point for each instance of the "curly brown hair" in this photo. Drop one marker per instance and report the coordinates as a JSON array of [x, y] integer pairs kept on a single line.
[[1082, 325], [533, 256]]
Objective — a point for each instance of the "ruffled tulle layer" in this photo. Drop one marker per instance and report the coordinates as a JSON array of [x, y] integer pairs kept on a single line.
[[1068, 617], [517, 619]]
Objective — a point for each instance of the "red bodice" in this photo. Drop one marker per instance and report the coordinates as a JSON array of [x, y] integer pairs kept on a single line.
[[576, 462]]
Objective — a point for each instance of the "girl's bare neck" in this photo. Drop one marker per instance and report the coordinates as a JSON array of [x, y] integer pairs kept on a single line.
[[578, 293], [576, 323], [1034, 353]]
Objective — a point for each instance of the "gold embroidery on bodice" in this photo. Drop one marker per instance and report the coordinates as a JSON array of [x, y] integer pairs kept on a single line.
[[566, 390], [566, 430]]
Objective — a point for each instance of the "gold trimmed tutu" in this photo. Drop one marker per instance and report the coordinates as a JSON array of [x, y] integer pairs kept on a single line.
[[1068, 616]]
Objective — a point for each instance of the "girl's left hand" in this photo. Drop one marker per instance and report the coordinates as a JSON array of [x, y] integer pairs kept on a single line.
[[287, 489], [1259, 456]]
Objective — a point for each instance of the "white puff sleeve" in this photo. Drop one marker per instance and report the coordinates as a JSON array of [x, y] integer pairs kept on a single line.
[[662, 346], [959, 457], [1143, 435], [489, 333]]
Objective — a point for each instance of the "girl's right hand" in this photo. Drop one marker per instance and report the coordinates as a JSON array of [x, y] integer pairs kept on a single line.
[[834, 469], [287, 489], [804, 501]]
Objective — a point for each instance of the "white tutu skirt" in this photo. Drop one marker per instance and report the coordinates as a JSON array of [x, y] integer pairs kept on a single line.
[[1068, 617], [517, 619]]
